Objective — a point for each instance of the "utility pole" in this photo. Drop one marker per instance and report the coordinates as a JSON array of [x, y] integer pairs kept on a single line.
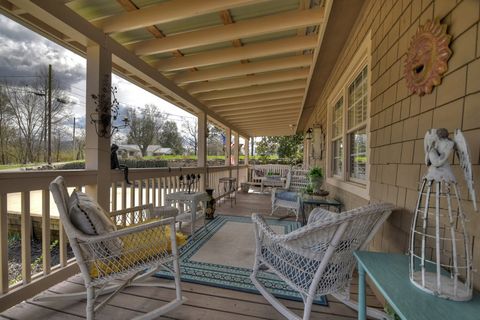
[[45, 122], [49, 147], [73, 141]]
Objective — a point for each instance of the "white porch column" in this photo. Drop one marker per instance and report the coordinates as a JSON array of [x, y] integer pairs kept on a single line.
[[246, 148], [236, 153], [236, 148], [97, 149], [228, 144], [202, 147]]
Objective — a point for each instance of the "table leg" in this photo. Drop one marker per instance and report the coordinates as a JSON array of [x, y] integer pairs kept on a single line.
[[362, 306]]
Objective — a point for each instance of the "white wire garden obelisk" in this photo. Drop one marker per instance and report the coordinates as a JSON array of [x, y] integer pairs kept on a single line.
[[440, 252]]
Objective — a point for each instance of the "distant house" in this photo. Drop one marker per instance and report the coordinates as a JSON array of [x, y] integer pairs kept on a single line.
[[133, 151]]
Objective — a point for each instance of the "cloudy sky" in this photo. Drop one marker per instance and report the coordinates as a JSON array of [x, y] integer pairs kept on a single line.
[[23, 53]]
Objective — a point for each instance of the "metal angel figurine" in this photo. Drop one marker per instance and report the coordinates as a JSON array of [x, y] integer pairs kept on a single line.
[[440, 253]]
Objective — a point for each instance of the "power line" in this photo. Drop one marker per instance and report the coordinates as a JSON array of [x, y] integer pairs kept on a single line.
[[18, 76]]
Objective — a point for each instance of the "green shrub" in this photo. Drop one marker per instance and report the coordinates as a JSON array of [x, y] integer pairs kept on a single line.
[[80, 164]]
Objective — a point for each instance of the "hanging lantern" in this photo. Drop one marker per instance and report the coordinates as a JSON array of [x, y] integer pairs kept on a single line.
[[440, 252]]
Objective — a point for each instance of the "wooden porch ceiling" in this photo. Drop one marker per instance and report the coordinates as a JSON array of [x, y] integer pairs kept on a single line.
[[246, 63]]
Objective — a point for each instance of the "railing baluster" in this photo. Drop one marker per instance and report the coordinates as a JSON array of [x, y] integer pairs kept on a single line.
[[3, 243], [47, 257], [113, 190], [147, 191], [62, 237], [163, 191], [26, 230], [159, 192], [169, 184], [154, 192], [132, 194], [140, 192]]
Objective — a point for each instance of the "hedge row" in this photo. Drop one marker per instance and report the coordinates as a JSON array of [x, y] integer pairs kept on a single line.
[[131, 163]]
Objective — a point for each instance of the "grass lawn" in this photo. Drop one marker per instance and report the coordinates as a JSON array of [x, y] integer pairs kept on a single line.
[[15, 166]]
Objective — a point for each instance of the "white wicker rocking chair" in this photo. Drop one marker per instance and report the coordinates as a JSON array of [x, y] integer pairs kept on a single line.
[[317, 259], [290, 198], [143, 249]]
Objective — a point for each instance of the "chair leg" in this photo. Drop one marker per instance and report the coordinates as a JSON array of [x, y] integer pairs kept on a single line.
[[308, 308], [90, 313]]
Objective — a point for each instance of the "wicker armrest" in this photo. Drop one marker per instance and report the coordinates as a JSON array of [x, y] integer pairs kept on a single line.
[[263, 227], [319, 214]]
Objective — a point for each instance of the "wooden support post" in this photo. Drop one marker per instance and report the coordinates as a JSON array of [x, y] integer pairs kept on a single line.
[[97, 149], [202, 148]]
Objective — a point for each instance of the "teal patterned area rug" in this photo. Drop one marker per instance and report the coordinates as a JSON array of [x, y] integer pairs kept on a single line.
[[222, 254]]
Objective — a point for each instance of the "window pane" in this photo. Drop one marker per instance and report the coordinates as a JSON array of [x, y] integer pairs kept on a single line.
[[337, 124], [358, 154], [357, 100], [338, 157]]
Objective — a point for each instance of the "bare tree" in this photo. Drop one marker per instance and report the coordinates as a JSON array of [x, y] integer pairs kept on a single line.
[[215, 141], [28, 120], [145, 126], [6, 130], [190, 136]]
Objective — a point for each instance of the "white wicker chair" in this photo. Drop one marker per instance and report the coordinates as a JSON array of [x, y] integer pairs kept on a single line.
[[290, 198], [144, 249], [317, 259]]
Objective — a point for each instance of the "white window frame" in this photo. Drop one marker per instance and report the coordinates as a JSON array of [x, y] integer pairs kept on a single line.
[[361, 60]]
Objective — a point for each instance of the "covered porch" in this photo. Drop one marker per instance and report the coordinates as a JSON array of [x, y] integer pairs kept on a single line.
[[332, 70]]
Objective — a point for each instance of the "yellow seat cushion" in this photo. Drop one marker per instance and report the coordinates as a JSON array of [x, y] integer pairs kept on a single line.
[[137, 249]]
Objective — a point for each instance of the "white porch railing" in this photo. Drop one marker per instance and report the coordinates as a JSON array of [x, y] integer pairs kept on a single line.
[[26, 194]]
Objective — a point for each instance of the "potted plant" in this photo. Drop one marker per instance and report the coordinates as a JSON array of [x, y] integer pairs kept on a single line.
[[315, 175]]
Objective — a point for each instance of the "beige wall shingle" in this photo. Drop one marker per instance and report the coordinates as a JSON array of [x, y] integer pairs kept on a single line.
[[399, 119]]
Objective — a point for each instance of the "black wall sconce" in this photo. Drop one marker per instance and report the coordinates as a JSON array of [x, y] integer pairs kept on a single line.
[[309, 134]]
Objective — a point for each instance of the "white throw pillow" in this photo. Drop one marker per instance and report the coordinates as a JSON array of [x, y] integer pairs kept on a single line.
[[88, 217]]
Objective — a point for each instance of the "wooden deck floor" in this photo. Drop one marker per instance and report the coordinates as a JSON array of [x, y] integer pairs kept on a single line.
[[204, 302]]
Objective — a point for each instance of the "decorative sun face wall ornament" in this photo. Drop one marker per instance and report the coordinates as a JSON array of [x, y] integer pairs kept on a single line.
[[427, 57]]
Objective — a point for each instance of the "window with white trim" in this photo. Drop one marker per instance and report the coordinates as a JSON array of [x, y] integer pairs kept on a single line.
[[348, 124], [349, 130]]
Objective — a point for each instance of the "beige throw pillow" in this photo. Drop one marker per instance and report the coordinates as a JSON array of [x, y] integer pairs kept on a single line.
[[88, 217]]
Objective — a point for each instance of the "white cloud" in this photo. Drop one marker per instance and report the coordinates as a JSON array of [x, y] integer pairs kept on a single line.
[[23, 53]]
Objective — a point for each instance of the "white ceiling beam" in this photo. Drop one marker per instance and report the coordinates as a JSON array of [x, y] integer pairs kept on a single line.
[[255, 98], [260, 104], [272, 110], [166, 12], [266, 88], [247, 81], [244, 69], [250, 51], [269, 117], [260, 112], [241, 29], [284, 128]]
